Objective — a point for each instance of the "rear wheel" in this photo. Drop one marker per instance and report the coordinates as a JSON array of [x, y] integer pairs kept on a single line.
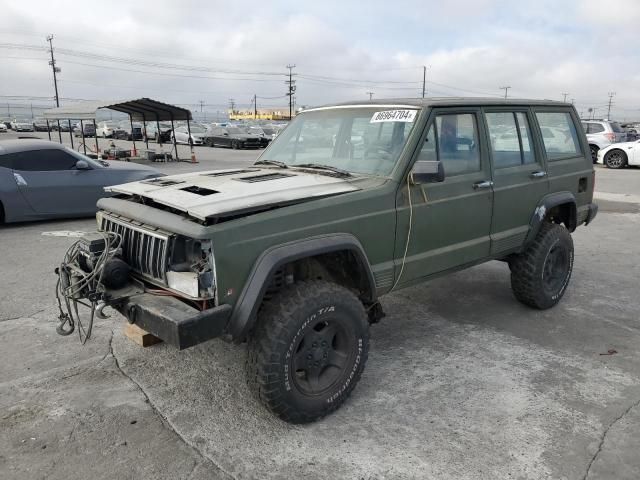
[[615, 159], [540, 274], [234, 144], [594, 153], [308, 351]]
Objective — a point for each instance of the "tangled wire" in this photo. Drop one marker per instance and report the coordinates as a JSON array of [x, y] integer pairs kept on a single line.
[[75, 284]]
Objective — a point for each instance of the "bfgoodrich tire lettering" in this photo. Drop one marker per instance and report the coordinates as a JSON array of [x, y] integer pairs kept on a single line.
[[540, 274], [308, 351]]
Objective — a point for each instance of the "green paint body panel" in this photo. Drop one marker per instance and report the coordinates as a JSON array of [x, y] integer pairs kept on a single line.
[[453, 223]]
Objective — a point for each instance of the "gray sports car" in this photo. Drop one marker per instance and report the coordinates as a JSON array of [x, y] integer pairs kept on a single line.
[[41, 179]]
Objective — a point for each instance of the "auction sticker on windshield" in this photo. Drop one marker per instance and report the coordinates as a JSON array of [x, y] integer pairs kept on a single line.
[[394, 116]]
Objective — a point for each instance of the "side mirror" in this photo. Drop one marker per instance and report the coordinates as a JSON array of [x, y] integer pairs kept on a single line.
[[428, 171], [82, 165]]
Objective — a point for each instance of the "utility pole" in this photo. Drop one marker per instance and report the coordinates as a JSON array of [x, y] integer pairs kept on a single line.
[[291, 89], [424, 80], [611, 95], [506, 91], [232, 106], [370, 95], [565, 97], [54, 69], [201, 102], [255, 106]]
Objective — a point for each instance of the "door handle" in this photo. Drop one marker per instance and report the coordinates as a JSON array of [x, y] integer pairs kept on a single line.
[[538, 174], [483, 184]]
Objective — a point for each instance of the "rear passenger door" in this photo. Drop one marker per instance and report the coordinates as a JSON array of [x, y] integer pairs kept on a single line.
[[520, 177]]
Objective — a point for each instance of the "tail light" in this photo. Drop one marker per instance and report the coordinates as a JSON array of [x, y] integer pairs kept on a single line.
[[610, 136]]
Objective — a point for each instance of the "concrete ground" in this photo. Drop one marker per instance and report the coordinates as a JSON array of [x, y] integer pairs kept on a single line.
[[462, 381]]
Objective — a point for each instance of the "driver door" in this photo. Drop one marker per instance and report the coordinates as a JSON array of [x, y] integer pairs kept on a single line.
[[50, 183], [451, 220]]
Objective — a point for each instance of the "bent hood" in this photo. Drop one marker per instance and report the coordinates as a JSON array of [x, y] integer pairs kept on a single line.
[[221, 192]]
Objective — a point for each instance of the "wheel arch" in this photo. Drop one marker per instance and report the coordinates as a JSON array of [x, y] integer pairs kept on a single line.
[[297, 253], [559, 207]]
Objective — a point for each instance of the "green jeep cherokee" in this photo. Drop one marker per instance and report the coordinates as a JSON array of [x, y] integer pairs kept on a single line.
[[348, 203]]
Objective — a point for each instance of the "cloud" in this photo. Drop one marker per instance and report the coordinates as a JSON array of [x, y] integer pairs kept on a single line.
[[472, 47]]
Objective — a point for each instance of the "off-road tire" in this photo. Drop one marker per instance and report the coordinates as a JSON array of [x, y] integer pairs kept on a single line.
[[528, 268], [286, 331]]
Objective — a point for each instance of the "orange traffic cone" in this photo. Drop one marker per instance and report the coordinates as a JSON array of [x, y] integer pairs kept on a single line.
[[134, 152], [193, 157]]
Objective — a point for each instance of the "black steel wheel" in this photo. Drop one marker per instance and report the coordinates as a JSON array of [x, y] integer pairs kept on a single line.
[[615, 159], [541, 273], [308, 351]]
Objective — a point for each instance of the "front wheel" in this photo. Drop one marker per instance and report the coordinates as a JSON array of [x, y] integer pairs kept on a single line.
[[540, 274], [308, 351], [615, 159]]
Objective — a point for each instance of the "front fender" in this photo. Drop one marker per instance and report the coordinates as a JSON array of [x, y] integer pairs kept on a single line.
[[246, 308]]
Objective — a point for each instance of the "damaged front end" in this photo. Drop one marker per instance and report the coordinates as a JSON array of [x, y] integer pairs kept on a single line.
[[161, 281]]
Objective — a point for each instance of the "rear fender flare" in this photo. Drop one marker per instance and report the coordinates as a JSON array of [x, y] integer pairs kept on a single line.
[[246, 308], [546, 204]]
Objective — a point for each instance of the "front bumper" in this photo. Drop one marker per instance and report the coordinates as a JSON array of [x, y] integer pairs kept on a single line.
[[174, 321]]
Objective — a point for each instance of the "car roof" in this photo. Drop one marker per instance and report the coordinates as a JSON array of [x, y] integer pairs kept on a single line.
[[27, 144], [446, 101]]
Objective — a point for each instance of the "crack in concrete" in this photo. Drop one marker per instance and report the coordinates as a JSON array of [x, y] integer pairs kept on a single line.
[[164, 419], [604, 437], [22, 316]]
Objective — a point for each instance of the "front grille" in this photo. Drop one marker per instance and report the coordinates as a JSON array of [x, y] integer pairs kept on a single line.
[[145, 250]]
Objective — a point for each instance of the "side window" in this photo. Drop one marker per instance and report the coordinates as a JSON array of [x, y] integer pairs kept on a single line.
[[43, 161], [505, 143], [453, 140], [558, 134], [458, 143], [510, 139], [525, 138], [596, 128]]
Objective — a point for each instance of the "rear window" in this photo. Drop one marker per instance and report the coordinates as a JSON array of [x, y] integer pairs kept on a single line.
[[559, 135], [616, 127]]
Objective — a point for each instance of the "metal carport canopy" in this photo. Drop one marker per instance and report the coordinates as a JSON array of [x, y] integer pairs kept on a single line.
[[139, 109]]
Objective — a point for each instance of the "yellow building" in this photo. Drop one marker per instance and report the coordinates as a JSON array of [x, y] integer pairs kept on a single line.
[[261, 114]]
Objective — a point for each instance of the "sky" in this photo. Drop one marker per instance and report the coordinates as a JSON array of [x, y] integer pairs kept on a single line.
[[203, 53]]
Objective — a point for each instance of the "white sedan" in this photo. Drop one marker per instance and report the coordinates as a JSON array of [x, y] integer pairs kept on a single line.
[[106, 129], [3, 127], [198, 134], [619, 155]]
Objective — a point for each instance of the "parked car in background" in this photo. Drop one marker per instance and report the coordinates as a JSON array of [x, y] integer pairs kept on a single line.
[[198, 134], [632, 134], [106, 129], [620, 155], [259, 131], [41, 179], [601, 134], [6, 123], [86, 129], [124, 131], [159, 136], [40, 125], [22, 126], [3, 128], [233, 137]]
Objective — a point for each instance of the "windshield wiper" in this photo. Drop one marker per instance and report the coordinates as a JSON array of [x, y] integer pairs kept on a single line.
[[271, 162], [320, 166]]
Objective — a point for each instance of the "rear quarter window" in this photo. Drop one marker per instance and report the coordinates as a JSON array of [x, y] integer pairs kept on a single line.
[[559, 135]]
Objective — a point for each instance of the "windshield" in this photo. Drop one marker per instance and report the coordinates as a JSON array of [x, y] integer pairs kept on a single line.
[[359, 140]]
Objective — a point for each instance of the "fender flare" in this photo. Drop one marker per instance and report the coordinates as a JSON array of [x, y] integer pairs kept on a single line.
[[547, 203], [245, 311]]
